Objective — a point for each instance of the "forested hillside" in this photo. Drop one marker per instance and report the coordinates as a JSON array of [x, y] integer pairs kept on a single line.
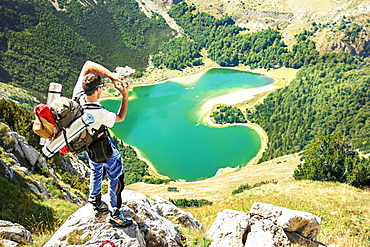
[[324, 98], [40, 43], [229, 46]]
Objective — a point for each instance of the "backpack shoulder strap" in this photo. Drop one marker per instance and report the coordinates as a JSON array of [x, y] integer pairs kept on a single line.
[[97, 132], [78, 96], [91, 106]]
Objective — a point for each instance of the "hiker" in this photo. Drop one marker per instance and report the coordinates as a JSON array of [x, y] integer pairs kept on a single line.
[[88, 90]]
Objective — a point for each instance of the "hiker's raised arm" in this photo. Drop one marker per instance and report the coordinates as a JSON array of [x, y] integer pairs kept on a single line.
[[90, 66]]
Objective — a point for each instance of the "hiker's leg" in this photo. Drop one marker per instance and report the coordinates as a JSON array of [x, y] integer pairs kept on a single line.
[[119, 189], [114, 171], [96, 178]]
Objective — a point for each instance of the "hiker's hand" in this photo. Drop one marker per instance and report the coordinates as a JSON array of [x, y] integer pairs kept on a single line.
[[115, 77], [122, 87]]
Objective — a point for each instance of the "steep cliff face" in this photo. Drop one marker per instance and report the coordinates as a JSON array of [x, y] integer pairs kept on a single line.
[[360, 48]]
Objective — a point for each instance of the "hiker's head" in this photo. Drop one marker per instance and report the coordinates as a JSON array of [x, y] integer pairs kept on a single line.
[[91, 83]]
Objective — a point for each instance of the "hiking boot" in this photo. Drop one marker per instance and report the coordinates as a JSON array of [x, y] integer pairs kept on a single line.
[[102, 209], [118, 219]]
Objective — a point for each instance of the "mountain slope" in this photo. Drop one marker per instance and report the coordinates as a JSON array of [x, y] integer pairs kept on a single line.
[[42, 43], [293, 17], [31, 57]]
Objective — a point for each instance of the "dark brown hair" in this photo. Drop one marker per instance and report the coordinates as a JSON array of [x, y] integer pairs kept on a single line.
[[90, 82]]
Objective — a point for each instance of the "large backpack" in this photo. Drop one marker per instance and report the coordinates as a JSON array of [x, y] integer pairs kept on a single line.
[[65, 111]]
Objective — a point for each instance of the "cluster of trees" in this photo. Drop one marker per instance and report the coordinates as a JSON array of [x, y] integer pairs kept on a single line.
[[178, 53], [261, 49], [39, 48], [331, 158], [6, 142], [228, 114], [76, 182], [328, 97], [40, 45], [134, 25], [351, 30], [184, 203], [203, 28]]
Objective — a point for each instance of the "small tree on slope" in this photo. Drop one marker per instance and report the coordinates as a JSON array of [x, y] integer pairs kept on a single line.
[[331, 158]]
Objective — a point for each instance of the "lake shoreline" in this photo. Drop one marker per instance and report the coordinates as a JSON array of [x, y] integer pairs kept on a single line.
[[236, 97], [140, 155]]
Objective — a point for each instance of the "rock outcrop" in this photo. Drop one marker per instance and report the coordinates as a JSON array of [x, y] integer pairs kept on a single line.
[[156, 223], [28, 157], [27, 153], [266, 225], [358, 47], [229, 229], [74, 166], [13, 235], [23, 158]]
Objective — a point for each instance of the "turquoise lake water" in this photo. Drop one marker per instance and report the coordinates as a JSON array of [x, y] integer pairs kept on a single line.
[[163, 123]]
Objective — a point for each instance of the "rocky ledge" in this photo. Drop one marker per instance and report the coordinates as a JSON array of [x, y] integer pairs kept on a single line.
[[265, 225], [157, 222]]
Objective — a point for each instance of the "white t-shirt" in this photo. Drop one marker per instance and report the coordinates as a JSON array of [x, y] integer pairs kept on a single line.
[[101, 116]]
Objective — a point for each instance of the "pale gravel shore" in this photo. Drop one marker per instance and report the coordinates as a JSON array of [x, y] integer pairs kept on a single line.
[[235, 97]]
